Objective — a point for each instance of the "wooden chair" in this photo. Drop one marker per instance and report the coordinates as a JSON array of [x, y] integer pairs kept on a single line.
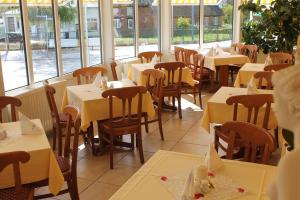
[[281, 58], [238, 47], [68, 162], [13, 102], [246, 136], [88, 74], [172, 87], [154, 84], [234, 69], [189, 58], [18, 192], [251, 51], [128, 123], [178, 51], [276, 67], [113, 67], [252, 102], [148, 55], [266, 77]]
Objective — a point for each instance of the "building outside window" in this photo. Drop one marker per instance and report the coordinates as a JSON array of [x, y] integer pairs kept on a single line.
[[117, 23], [130, 23]]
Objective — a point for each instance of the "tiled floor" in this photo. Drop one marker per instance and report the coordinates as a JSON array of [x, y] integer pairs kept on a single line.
[[97, 181]]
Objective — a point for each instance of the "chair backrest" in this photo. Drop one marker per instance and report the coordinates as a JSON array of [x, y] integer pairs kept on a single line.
[[264, 77], [238, 47], [178, 51], [148, 55], [276, 67], [199, 66], [71, 148], [88, 73], [113, 67], [171, 68], [154, 83], [251, 51], [252, 102], [129, 120], [13, 102], [14, 158], [50, 91], [281, 57], [252, 138], [189, 60]]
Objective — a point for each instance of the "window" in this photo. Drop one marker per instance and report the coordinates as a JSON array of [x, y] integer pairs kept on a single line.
[[42, 39], [92, 32], [70, 36], [130, 23], [149, 25], [220, 30], [13, 59], [185, 24], [117, 23], [124, 37], [206, 21]]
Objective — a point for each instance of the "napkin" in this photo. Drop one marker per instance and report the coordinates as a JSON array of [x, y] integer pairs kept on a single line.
[[197, 183], [251, 87], [232, 51], [210, 52], [98, 80], [220, 51], [212, 159], [268, 61], [27, 126], [154, 59]]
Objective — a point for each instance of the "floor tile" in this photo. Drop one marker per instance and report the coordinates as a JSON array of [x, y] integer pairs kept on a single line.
[[99, 191]]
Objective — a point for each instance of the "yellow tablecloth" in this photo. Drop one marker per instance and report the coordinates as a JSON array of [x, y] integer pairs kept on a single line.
[[136, 70], [146, 184], [42, 164], [211, 62], [246, 73], [217, 111], [94, 107]]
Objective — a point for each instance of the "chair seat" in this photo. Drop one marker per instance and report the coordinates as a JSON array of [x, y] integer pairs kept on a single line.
[[64, 164], [10, 193], [122, 130]]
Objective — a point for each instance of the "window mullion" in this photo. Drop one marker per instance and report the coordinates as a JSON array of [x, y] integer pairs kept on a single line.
[[236, 22], [82, 33], [136, 26], [201, 23], [57, 37], [28, 52]]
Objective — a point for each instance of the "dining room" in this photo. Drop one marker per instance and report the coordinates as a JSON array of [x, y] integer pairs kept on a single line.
[[149, 99]]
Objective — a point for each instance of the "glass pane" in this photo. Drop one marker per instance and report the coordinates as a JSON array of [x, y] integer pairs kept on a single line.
[[149, 25], [70, 36], [92, 30], [12, 47], [124, 29], [185, 24], [218, 23], [42, 41]]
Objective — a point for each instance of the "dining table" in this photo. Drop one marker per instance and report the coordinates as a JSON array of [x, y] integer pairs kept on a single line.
[[135, 73], [221, 64], [42, 164], [164, 176], [246, 73], [218, 112]]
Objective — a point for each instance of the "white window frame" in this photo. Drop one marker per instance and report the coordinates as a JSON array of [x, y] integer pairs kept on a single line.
[[117, 23], [130, 23]]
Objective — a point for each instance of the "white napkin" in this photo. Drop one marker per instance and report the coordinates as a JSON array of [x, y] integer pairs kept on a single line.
[[27, 126], [154, 59], [268, 60], [220, 51], [232, 51], [98, 80], [210, 52], [197, 182], [212, 159], [251, 87]]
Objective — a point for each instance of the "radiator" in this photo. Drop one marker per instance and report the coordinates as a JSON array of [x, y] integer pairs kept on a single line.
[[35, 105]]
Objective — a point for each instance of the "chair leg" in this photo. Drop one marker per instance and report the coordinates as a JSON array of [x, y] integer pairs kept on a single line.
[[132, 141], [179, 106], [160, 125], [54, 138], [140, 147], [70, 189], [111, 152], [75, 189], [200, 98], [59, 135], [146, 123]]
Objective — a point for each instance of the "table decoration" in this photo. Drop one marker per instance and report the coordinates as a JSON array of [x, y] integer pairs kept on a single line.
[[27, 126], [251, 87]]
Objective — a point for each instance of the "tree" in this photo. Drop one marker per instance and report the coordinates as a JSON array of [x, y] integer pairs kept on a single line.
[[182, 24], [67, 13], [227, 10]]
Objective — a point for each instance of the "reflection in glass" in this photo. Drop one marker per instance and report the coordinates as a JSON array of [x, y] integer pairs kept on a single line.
[[149, 25], [70, 36], [42, 41], [92, 32], [124, 30], [185, 24], [12, 54]]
